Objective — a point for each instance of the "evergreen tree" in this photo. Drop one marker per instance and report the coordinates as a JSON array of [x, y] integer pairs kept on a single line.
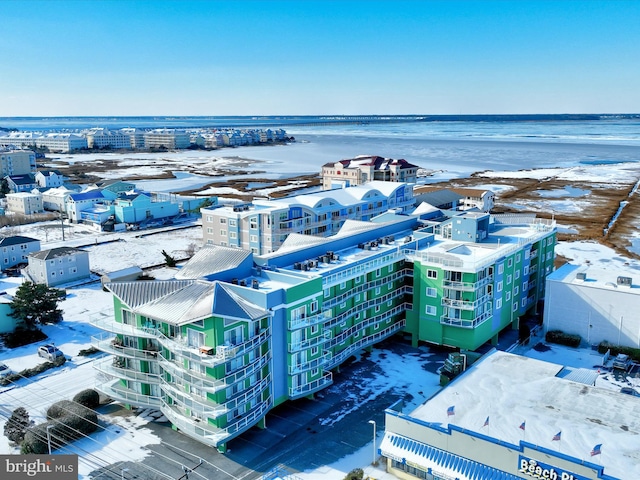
[[35, 304], [4, 188], [16, 426], [171, 261]]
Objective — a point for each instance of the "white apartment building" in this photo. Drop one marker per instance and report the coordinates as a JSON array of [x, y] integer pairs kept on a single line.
[[105, 138], [55, 199], [262, 226], [25, 203], [136, 137], [167, 138], [54, 142], [16, 162]]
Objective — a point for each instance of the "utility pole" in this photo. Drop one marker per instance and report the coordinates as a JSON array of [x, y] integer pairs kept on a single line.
[[188, 470]]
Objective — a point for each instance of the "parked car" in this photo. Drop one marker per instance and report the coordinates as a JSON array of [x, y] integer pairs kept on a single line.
[[50, 352], [629, 391], [622, 362], [4, 370]]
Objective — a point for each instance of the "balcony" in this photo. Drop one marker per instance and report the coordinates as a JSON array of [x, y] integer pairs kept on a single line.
[[184, 400], [107, 343], [466, 305], [365, 342], [107, 367], [467, 286], [116, 391], [307, 321], [110, 325], [311, 387], [465, 323], [311, 342], [311, 364]]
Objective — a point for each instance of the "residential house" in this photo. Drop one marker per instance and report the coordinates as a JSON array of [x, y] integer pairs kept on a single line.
[[58, 265], [14, 250], [236, 334], [441, 198], [25, 203], [141, 207], [22, 183], [55, 199], [365, 168], [86, 200], [49, 178], [7, 322]]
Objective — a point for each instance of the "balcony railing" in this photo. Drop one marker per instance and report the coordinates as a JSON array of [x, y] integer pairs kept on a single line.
[[466, 305], [311, 342], [465, 323], [185, 400], [110, 325], [367, 322], [107, 367], [363, 268], [309, 320], [364, 342], [311, 387], [311, 364], [365, 287], [467, 286], [107, 343], [116, 391]]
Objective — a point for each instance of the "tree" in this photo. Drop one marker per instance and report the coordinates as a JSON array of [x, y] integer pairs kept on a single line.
[[35, 304], [171, 261], [17, 425], [4, 188]]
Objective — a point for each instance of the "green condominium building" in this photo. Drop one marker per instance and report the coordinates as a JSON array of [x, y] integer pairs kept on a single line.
[[235, 334]]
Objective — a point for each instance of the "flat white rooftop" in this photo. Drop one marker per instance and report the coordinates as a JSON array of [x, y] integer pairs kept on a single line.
[[511, 389]]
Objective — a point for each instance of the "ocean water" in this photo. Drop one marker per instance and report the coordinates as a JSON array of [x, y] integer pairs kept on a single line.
[[454, 148]]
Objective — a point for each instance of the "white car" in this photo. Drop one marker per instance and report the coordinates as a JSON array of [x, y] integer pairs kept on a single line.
[[50, 352], [4, 370]]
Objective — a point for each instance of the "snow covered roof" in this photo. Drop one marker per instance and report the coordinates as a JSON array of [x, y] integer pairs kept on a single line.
[[16, 240], [511, 389], [56, 252], [212, 259], [184, 301], [590, 276]]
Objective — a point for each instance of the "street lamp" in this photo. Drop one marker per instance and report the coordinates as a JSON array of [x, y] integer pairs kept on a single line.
[[49, 437], [122, 473], [373, 422]]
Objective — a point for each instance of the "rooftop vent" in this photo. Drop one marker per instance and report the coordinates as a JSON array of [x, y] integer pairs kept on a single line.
[[255, 284], [625, 281], [581, 276], [234, 281], [243, 283]]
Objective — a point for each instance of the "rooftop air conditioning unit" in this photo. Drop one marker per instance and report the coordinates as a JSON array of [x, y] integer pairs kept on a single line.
[[581, 276], [626, 281], [243, 283], [234, 281], [255, 284], [297, 266], [361, 246]]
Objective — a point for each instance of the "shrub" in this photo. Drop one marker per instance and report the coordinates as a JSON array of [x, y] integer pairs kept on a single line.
[[22, 336], [355, 474], [16, 427], [561, 338], [634, 353], [88, 351], [89, 398], [35, 440]]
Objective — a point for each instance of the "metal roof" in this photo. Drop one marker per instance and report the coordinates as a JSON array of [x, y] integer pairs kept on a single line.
[[212, 259], [184, 301]]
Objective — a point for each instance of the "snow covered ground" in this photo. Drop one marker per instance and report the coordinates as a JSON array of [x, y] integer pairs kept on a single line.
[[130, 434]]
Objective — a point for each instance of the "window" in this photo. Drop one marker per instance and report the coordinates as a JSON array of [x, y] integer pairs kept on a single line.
[[501, 269], [517, 274], [377, 309], [518, 256], [327, 292], [223, 244], [253, 238], [509, 277], [378, 290], [209, 218], [432, 274], [223, 220], [526, 271], [524, 302], [343, 305], [549, 255], [358, 297], [314, 351], [313, 307], [516, 290], [313, 330], [253, 222], [510, 263], [233, 235], [431, 292], [343, 285], [209, 230], [498, 304], [223, 233], [378, 272], [430, 310], [389, 303], [508, 297], [232, 222], [390, 269], [515, 306], [499, 288], [524, 286]]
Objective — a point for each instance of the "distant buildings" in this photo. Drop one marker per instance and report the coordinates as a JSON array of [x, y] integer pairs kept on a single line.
[[365, 168], [16, 162], [262, 226], [166, 138], [455, 198], [25, 203], [53, 142]]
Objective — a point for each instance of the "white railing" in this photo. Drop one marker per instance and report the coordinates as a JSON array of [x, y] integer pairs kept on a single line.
[[107, 343], [311, 387], [465, 304], [107, 367], [110, 325], [310, 342], [357, 270], [114, 390], [465, 323], [311, 364]]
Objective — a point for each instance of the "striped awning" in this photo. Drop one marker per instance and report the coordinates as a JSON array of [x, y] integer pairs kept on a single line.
[[437, 461]]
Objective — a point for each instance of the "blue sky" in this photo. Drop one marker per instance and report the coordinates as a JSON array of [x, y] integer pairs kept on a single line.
[[318, 57]]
